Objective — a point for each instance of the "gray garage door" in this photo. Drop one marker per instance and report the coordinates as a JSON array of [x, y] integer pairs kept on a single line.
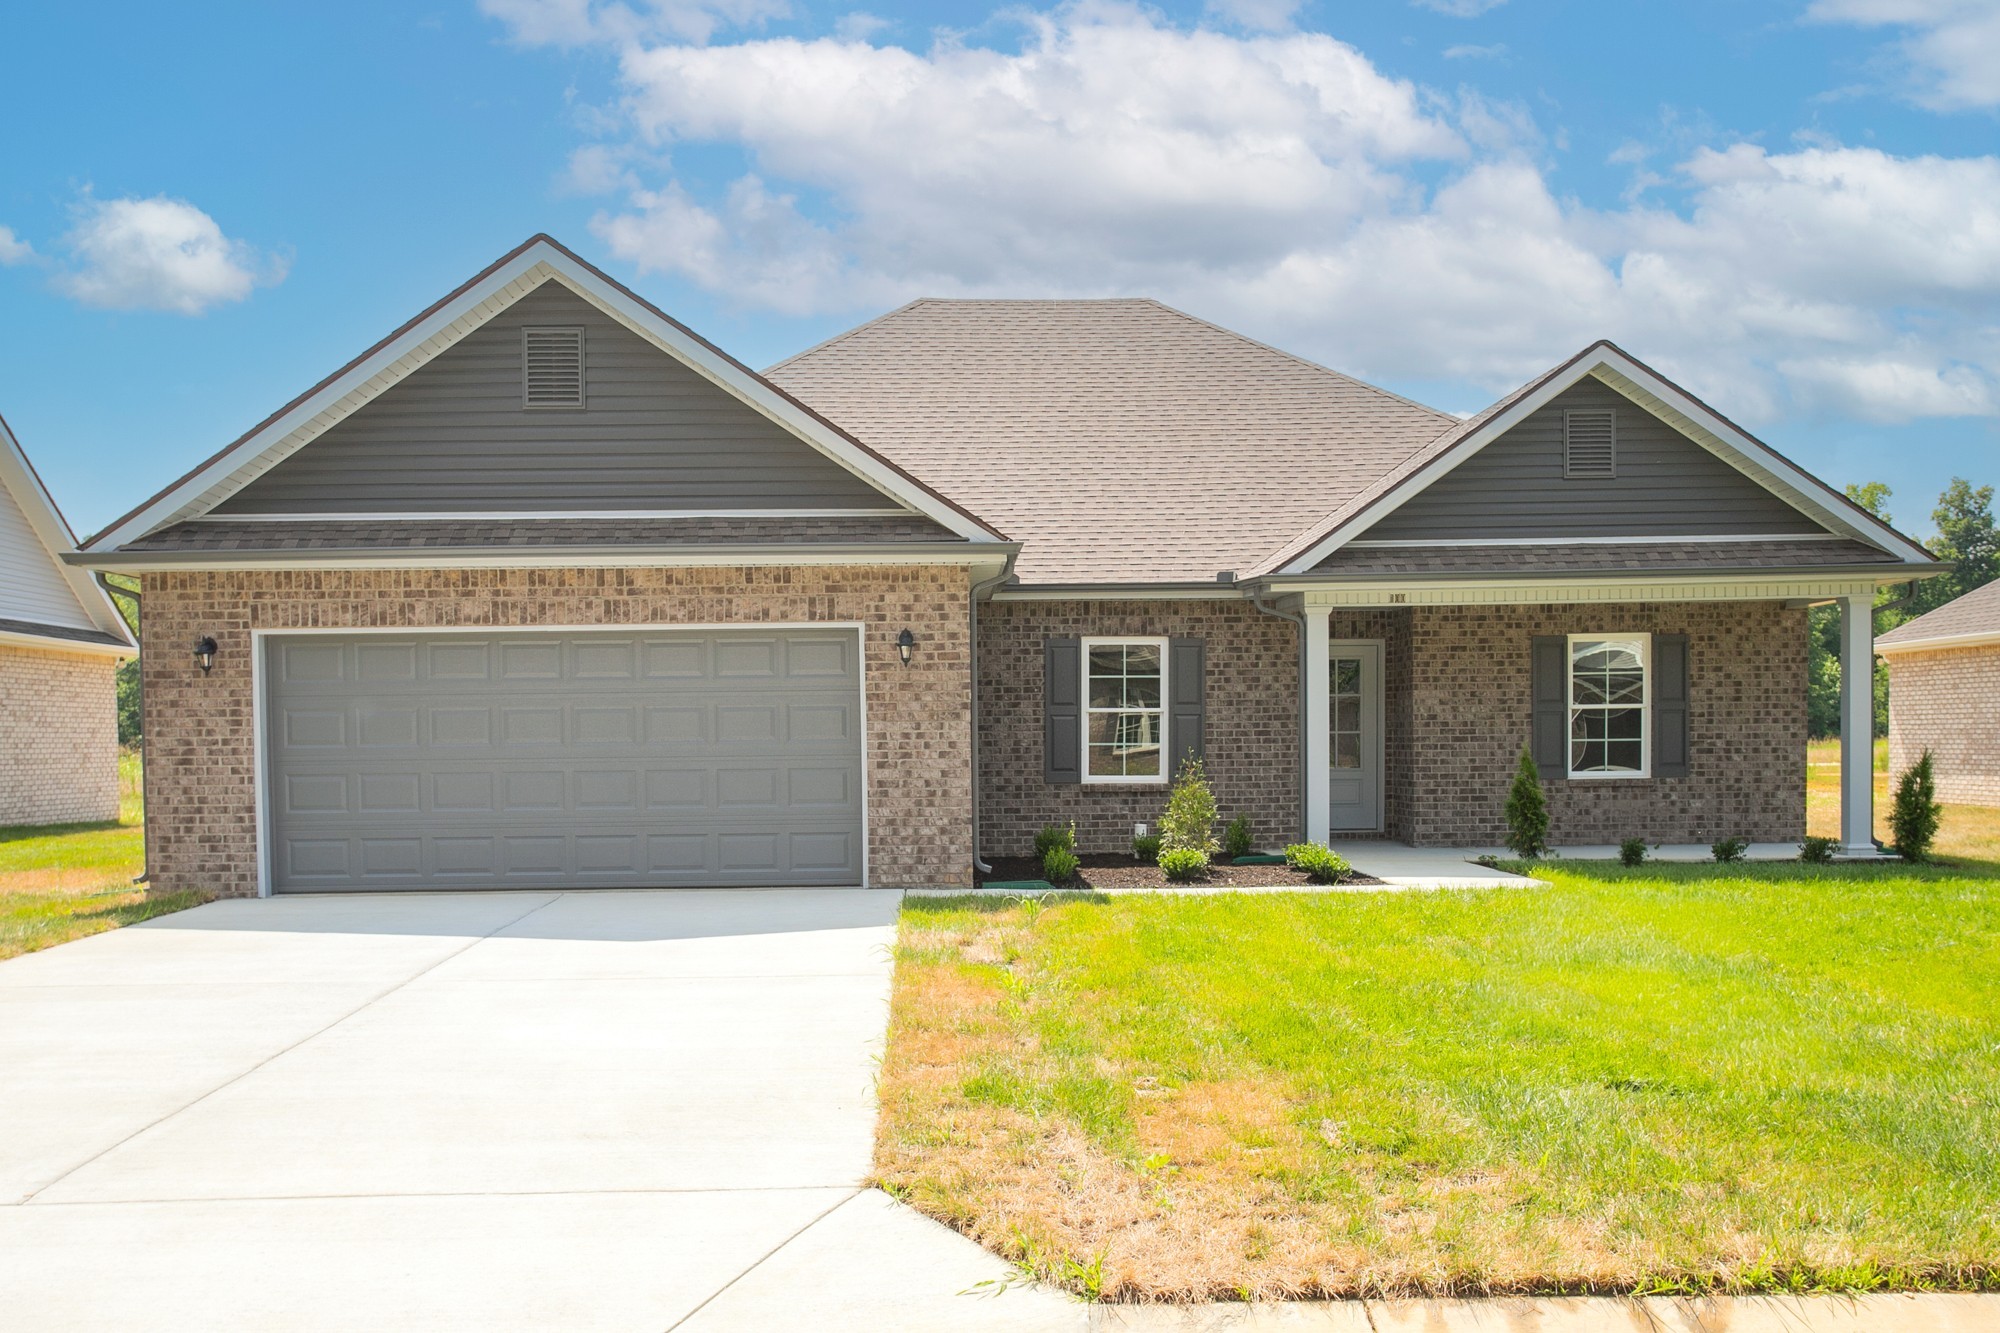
[[591, 760]]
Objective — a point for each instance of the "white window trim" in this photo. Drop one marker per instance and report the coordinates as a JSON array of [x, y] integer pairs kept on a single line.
[[1645, 640], [1121, 779]]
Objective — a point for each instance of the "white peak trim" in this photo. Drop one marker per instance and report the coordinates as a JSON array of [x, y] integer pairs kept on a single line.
[[95, 609], [1407, 544], [539, 261], [1939, 643], [1651, 392]]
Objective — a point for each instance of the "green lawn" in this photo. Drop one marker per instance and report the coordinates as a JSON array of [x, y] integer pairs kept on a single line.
[[1685, 1078], [60, 882]]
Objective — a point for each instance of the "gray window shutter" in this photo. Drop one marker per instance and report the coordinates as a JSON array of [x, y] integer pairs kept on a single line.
[[1549, 739], [1670, 705], [1187, 717], [1062, 710]]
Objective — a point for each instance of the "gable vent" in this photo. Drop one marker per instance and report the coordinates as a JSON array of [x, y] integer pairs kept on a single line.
[[551, 367], [1590, 443]]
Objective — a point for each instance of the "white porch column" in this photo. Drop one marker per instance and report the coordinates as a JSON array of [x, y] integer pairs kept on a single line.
[[1319, 724], [1857, 725]]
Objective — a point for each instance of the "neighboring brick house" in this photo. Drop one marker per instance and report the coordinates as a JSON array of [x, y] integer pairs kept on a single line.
[[545, 590], [1944, 695], [61, 640]]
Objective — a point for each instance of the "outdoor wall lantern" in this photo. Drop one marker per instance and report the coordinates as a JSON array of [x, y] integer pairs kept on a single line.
[[204, 653], [904, 643]]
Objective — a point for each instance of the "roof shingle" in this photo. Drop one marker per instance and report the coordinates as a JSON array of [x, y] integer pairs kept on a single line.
[[1977, 612], [1122, 441]]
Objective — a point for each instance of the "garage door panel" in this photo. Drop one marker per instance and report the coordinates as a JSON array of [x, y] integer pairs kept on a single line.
[[597, 759]]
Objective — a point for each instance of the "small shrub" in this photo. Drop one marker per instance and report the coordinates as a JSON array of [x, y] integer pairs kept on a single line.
[[1320, 864], [1236, 838], [1189, 823], [1055, 835], [1819, 851], [1059, 865], [1729, 849], [1146, 848], [1632, 851], [1527, 811], [1914, 818], [1181, 864]]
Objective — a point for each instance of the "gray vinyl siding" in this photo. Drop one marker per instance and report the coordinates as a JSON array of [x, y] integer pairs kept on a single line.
[[455, 438], [1667, 485]]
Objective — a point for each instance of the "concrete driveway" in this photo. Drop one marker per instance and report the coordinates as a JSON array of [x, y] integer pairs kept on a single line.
[[481, 1111]]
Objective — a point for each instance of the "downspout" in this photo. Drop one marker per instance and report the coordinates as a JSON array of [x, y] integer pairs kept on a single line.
[[972, 657], [1257, 600], [114, 592]]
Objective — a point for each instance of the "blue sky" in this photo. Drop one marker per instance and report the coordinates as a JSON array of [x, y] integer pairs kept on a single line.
[[1793, 207]]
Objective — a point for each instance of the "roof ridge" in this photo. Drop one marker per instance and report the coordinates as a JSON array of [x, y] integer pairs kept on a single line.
[[844, 335], [1294, 357]]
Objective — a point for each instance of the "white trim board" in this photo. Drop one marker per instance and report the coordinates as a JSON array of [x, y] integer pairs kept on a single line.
[[1652, 393], [538, 261], [260, 687], [983, 555], [1516, 592], [1939, 643]]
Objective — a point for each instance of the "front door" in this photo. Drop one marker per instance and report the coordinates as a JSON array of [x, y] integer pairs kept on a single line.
[[1355, 748]]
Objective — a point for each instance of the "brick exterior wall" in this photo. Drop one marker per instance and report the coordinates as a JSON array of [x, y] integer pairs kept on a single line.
[[1252, 705], [1949, 703], [1471, 711], [1456, 711], [200, 746], [58, 737]]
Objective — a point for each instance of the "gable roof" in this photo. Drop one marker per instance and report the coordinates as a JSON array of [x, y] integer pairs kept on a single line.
[[538, 260], [1649, 390], [1965, 622], [44, 602], [1121, 441]]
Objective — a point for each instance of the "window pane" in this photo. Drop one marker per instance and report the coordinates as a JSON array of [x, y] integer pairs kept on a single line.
[[1579, 756], [1622, 756], [1143, 763], [1103, 729], [1107, 660], [1346, 675], [1142, 692], [1347, 751], [1347, 715], [1624, 724], [1142, 659], [1106, 762], [1106, 693]]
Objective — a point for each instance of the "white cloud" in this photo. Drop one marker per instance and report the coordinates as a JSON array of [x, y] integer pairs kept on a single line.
[[1460, 9], [14, 250], [158, 254], [1465, 51], [859, 26], [1283, 184], [1256, 15], [1951, 50], [582, 22]]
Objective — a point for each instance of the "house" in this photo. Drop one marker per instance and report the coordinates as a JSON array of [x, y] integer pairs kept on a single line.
[[543, 589], [1944, 695], [61, 640]]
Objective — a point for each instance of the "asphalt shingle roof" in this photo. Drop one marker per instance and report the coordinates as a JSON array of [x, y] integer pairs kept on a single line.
[[1122, 441], [1977, 612]]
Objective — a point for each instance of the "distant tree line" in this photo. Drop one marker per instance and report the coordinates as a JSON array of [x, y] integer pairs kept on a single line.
[[125, 596], [1965, 536]]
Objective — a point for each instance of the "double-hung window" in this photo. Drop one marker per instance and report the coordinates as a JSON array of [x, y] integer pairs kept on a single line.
[[1124, 710], [1608, 703]]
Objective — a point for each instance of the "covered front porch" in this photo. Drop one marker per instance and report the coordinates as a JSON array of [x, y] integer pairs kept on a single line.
[[1671, 712]]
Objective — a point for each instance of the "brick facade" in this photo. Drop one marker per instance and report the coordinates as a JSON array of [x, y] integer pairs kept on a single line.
[[1456, 711], [1948, 702], [58, 737], [201, 757], [1252, 708], [1471, 711]]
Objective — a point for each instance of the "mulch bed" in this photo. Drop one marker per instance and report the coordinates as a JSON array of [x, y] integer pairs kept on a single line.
[[1111, 871]]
